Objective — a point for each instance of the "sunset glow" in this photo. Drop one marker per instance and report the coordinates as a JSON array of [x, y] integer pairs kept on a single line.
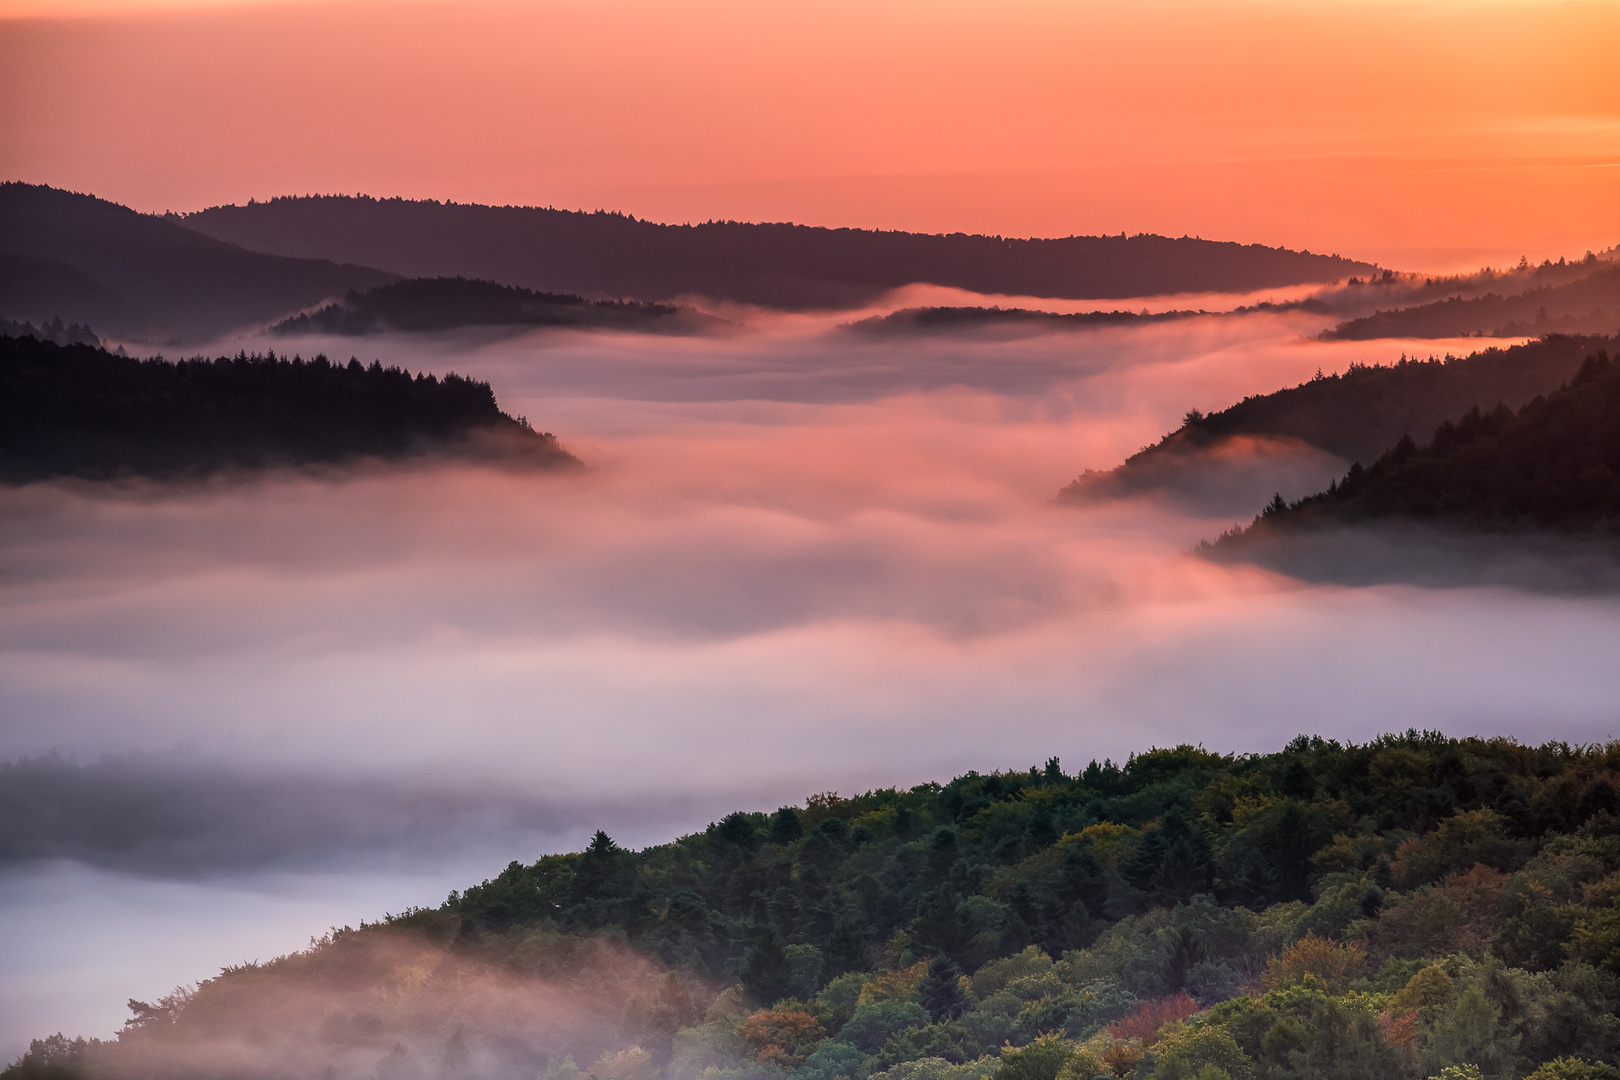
[[1423, 135], [809, 539]]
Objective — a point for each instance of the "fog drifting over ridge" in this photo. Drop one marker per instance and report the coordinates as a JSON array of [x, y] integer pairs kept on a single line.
[[798, 561]]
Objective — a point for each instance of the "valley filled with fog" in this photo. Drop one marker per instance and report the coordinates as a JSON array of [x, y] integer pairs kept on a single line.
[[799, 559]]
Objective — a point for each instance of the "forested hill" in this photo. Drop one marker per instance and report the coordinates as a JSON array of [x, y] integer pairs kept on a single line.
[[1555, 464], [1416, 906], [426, 304], [1590, 305], [1357, 415], [778, 265], [66, 256], [77, 410]]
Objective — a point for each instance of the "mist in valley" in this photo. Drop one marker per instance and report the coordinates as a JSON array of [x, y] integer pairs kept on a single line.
[[798, 560]]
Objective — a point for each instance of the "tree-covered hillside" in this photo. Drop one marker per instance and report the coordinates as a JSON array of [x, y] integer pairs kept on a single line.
[[1415, 906], [1553, 465], [418, 304], [1590, 305], [76, 410], [774, 264], [1357, 415], [69, 256]]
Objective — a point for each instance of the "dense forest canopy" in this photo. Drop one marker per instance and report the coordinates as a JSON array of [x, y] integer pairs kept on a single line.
[[777, 265], [1414, 906], [77, 410], [418, 304], [69, 256], [1356, 415]]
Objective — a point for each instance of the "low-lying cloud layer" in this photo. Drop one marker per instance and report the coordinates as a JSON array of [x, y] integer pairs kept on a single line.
[[796, 562]]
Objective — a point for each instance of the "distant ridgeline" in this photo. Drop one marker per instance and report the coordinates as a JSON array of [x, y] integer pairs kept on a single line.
[[947, 320], [1355, 416], [132, 275], [76, 410], [777, 265], [54, 330], [448, 303], [1552, 465], [1417, 906], [1590, 304]]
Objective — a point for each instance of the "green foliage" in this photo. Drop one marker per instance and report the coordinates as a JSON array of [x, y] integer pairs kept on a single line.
[[1200, 1051], [1328, 912], [1567, 1068], [1040, 1059], [877, 1022]]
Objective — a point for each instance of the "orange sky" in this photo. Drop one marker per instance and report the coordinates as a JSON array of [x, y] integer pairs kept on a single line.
[[1424, 135]]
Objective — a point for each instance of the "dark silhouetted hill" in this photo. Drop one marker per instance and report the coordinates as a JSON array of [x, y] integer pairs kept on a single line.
[[76, 410], [1552, 465], [777, 265], [950, 320], [1588, 305], [423, 304], [82, 259], [55, 330], [1354, 416]]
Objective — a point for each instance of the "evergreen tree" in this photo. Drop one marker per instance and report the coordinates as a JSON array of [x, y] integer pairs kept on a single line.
[[766, 973], [845, 948], [940, 991]]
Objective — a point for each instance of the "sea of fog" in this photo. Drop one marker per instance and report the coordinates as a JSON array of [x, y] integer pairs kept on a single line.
[[800, 559]]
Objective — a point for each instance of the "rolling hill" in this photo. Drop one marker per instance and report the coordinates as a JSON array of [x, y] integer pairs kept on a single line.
[[1588, 305], [777, 265], [80, 411], [427, 304], [82, 259], [1409, 907], [1354, 416]]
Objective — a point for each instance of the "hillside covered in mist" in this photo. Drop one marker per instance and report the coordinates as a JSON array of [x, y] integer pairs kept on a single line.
[[1354, 416], [776, 265], [77, 410], [1390, 910], [1553, 465], [1572, 298], [67, 256], [427, 304]]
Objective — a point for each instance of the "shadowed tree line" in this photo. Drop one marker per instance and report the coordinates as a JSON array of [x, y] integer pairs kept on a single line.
[[1359, 414], [1588, 305], [1552, 465], [76, 410], [775, 264], [420, 304]]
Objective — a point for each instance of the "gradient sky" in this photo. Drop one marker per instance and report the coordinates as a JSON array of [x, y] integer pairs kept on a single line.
[[1424, 135]]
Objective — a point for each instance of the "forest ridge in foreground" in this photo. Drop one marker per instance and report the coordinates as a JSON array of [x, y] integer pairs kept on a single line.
[[1416, 906]]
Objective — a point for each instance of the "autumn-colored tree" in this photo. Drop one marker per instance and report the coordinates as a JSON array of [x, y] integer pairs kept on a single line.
[[780, 1036], [1332, 964]]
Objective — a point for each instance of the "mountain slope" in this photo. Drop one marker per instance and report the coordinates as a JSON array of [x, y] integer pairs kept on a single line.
[[779, 265], [1354, 416], [75, 410], [83, 259], [1555, 464], [1590, 305], [426, 304], [1376, 912]]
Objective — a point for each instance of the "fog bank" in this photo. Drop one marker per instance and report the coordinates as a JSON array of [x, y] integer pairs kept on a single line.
[[796, 562]]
